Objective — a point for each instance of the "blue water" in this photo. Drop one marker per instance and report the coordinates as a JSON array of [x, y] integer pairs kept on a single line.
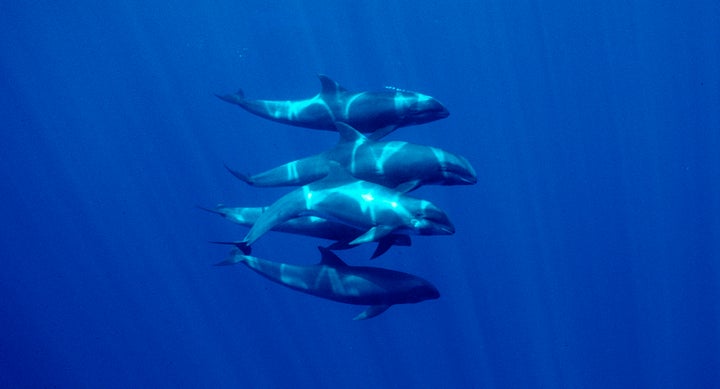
[[588, 254]]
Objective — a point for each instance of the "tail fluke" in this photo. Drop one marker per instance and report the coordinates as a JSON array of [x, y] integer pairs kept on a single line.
[[240, 176], [242, 246], [339, 245], [233, 98], [371, 312], [215, 211], [236, 256]]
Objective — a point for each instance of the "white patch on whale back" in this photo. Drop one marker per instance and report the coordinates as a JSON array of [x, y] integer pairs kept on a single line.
[[422, 98], [405, 100], [315, 219], [295, 109], [292, 172], [351, 283], [387, 152], [251, 262], [330, 277], [353, 155], [346, 110], [367, 202], [289, 276], [395, 204], [308, 196], [402, 102], [441, 160], [277, 109]]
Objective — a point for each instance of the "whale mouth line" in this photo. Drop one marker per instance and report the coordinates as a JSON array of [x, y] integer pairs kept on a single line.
[[470, 180], [467, 180], [427, 115], [458, 177]]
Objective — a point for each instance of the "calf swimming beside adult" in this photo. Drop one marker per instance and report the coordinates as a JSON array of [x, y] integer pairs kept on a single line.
[[378, 113], [401, 165], [335, 280]]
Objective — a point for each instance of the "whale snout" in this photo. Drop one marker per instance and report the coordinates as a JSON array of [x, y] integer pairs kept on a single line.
[[460, 176], [457, 171], [446, 229], [438, 221], [441, 112], [426, 109], [433, 110], [466, 173], [421, 291]]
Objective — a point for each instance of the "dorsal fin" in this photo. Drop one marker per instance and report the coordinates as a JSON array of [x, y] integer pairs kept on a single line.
[[348, 133], [408, 186], [329, 86], [382, 131], [385, 243], [371, 312], [336, 173], [329, 258]]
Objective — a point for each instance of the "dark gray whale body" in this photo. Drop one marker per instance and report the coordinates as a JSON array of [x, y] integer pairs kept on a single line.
[[401, 165], [378, 113], [313, 226], [373, 208], [333, 279]]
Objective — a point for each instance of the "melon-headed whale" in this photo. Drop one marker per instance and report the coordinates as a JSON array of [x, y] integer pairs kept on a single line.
[[313, 226], [335, 280], [377, 210], [401, 165], [378, 113]]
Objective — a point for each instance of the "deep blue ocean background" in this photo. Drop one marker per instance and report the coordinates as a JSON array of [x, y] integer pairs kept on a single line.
[[587, 256]]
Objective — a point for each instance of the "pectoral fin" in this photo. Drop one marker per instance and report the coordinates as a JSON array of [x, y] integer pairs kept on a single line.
[[371, 312], [374, 234], [381, 132], [408, 186], [234, 98], [385, 243], [236, 256], [242, 246]]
